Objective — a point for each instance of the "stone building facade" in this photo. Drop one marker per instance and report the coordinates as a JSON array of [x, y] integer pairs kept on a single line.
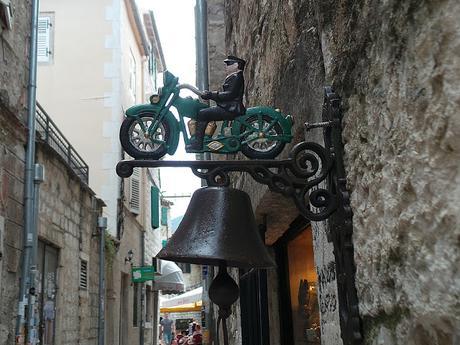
[[396, 67]]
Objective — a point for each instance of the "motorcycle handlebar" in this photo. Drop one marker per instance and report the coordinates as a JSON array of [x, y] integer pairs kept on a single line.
[[191, 88]]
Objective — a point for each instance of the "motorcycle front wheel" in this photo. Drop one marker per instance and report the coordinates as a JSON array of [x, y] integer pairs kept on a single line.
[[138, 143], [257, 145]]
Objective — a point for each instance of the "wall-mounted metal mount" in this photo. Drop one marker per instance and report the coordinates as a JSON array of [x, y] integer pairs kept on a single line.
[[314, 177]]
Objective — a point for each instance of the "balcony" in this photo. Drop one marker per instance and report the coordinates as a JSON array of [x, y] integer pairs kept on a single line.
[[49, 133]]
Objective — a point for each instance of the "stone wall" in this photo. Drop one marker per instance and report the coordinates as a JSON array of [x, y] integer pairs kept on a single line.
[[13, 92], [396, 66], [67, 220]]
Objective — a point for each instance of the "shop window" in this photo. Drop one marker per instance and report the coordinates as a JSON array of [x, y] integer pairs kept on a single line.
[[303, 290]]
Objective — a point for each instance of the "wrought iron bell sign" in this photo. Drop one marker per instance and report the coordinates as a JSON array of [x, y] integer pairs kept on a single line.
[[219, 227]]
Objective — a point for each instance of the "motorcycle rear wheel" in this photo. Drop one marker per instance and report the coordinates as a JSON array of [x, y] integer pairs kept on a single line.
[[138, 144], [262, 148]]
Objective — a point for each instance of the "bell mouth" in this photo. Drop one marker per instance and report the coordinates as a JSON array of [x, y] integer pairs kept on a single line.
[[216, 261], [218, 228]]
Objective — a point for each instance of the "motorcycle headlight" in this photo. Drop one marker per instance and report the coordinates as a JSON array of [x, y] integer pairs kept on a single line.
[[154, 99]]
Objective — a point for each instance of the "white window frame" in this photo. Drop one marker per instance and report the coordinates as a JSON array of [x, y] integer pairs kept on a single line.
[[132, 74]]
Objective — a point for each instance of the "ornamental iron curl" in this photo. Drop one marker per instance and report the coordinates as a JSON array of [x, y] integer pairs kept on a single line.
[[297, 177]]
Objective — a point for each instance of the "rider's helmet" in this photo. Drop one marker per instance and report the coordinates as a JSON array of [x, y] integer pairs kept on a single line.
[[232, 59]]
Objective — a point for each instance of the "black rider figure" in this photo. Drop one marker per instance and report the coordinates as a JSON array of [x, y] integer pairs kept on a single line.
[[229, 101]]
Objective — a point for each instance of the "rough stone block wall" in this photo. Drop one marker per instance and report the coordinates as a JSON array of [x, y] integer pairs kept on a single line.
[[13, 92], [12, 156], [14, 64], [396, 65], [67, 219]]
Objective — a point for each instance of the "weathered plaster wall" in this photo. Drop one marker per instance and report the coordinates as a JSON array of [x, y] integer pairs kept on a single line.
[[396, 65]]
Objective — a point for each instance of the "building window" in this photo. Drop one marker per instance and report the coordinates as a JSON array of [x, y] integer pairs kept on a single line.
[[186, 268], [45, 38], [135, 191], [132, 74], [83, 275], [6, 14]]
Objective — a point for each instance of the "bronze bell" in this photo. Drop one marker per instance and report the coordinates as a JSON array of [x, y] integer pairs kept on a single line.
[[218, 229]]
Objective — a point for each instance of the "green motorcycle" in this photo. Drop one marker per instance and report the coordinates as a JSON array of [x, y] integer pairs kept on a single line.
[[149, 131]]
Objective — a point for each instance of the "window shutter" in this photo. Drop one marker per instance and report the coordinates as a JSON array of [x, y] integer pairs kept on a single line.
[[83, 275], [164, 216], [155, 207], [135, 197], [43, 39]]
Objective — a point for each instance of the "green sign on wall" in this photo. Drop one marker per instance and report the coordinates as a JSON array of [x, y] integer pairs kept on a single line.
[[142, 274]]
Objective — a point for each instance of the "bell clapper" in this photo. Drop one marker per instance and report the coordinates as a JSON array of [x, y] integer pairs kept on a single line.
[[224, 292]]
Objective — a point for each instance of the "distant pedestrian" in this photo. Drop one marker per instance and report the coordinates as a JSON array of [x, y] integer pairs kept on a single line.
[[167, 329]]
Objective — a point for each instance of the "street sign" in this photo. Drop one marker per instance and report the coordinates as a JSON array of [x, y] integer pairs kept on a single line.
[[142, 274]]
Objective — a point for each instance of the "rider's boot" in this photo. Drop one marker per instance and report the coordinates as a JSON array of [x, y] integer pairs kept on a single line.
[[196, 144]]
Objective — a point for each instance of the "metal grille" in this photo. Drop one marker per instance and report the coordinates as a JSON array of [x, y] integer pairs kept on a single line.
[[83, 275], [50, 133]]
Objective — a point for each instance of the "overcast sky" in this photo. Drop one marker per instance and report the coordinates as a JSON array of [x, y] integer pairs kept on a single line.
[[175, 21]]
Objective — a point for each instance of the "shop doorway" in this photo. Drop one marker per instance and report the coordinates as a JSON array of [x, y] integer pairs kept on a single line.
[[46, 291], [298, 298], [254, 307]]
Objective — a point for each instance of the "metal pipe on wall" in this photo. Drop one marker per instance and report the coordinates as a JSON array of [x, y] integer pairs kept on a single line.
[[142, 286], [202, 78], [29, 230], [102, 226], [32, 331]]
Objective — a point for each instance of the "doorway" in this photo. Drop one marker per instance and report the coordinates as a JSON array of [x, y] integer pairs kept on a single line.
[[46, 291], [297, 281]]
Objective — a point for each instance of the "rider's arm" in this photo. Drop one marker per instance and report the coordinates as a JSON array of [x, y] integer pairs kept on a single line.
[[236, 83]]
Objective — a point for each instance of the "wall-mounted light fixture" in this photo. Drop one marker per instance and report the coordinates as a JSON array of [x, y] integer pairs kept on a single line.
[[129, 257]]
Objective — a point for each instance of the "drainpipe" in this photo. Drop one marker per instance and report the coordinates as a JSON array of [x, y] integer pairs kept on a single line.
[[102, 225], [32, 333], [202, 78], [142, 286], [29, 230]]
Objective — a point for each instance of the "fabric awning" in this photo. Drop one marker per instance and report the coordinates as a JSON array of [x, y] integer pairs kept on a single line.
[[184, 308], [188, 297], [171, 278]]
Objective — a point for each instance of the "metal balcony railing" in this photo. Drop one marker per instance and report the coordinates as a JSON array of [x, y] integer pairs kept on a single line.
[[50, 133]]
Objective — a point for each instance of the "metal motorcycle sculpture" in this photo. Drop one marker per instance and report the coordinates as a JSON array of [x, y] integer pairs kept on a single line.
[[149, 131]]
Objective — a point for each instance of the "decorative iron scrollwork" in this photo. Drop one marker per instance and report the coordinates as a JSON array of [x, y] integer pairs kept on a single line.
[[297, 177], [341, 224]]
